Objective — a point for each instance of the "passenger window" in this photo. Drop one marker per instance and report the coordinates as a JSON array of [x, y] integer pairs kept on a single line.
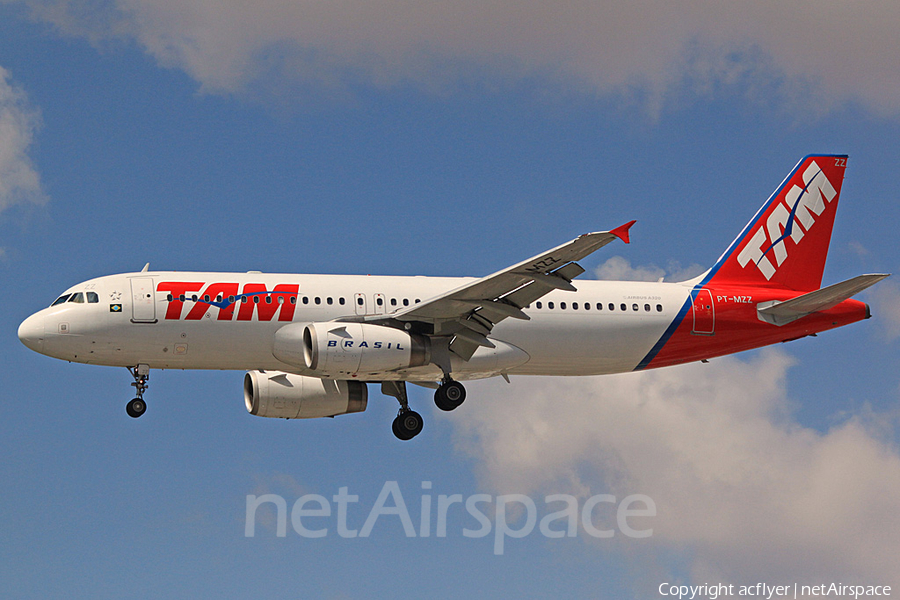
[[77, 297], [93, 298], [255, 299], [341, 301], [599, 306], [305, 299], [169, 297], [406, 302], [280, 299], [612, 306], [659, 308], [562, 305], [293, 299], [587, 306], [417, 300], [549, 305], [318, 300], [539, 305], [574, 306], [393, 302], [634, 307], [268, 299], [623, 306], [329, 301], [379, 301], [646, 308], [359, 301]]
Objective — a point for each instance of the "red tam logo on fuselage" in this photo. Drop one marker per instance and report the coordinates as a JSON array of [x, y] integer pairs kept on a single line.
[[253, 298], [801, 205]]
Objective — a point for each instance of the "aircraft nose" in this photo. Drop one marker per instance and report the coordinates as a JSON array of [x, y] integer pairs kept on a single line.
[[31, 333]]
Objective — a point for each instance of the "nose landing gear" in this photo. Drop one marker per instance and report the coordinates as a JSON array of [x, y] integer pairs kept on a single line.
[[137, 407]]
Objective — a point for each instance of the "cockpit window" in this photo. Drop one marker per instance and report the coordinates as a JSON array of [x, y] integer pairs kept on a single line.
[[77, 297], [92, 297], [61, 299]]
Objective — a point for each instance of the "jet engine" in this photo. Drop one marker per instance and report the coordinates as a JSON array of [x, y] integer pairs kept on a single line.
[[342, 349], [289, 396]]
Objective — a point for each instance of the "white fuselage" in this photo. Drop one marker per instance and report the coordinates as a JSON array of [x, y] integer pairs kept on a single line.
[[603, 327]]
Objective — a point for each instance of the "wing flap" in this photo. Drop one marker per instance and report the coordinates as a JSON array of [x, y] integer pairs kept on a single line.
[[782, 313]]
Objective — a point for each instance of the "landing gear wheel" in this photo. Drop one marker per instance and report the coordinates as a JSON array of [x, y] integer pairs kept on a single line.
[[449, 395], [407, 425], [136, 408]]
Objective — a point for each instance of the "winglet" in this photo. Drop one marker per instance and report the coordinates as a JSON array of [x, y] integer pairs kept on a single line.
[[621, 231]]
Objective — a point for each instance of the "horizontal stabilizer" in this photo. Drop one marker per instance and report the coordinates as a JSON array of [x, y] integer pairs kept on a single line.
[[782, 313]]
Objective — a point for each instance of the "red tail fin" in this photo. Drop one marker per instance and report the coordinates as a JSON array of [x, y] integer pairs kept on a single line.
[[786, 243]]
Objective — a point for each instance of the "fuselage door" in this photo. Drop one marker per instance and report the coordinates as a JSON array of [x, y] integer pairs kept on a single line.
[[143, 300], [359, 301], [704, 312]]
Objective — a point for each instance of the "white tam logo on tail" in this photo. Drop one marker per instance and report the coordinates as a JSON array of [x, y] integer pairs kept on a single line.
[[798, 204]]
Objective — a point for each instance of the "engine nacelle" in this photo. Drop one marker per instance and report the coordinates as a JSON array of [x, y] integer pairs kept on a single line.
[[289, 396], [342, 349]]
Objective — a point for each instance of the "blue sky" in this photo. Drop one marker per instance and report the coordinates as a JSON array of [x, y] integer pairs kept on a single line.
[[286, 137]]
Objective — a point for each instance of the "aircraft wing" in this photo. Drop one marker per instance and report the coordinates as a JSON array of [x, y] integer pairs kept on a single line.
[[468, 313], [781, 313]]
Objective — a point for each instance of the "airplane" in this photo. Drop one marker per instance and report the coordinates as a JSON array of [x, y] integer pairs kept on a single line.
[[311, 343]]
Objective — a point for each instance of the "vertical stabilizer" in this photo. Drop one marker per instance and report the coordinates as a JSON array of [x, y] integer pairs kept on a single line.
[[786, 243]]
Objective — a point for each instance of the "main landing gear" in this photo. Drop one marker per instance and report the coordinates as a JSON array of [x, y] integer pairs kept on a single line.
[[408, 423], [137, 407], [449, 395]]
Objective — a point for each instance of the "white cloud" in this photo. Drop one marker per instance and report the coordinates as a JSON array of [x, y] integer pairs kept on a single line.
[[885, 302], [749, 492], [19, 181], [840, 50], [618, 268]]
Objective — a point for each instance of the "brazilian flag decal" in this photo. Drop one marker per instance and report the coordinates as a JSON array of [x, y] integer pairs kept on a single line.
[[115, 308]]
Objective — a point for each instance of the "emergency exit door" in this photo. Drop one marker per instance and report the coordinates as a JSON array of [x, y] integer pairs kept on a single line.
[[704, 312]]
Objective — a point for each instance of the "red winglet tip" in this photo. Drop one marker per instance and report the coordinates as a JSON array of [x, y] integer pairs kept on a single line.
[[621, 231]]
